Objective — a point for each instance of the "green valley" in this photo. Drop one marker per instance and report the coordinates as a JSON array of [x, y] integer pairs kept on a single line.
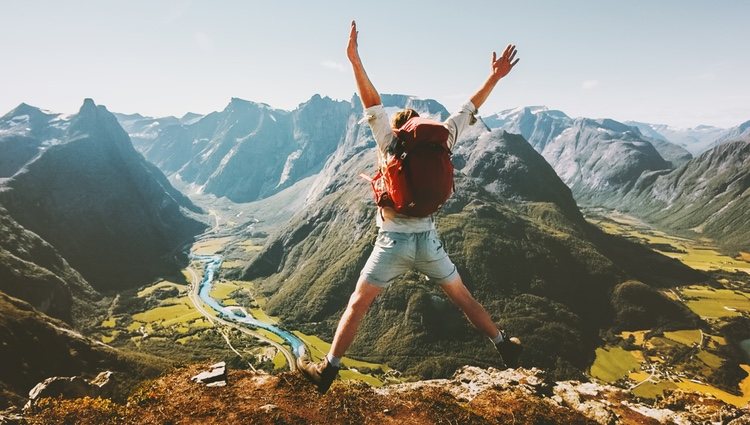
[[651, 361]]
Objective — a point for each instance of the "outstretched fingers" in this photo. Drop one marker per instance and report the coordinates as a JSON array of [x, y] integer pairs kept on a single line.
[[353, 31], [507, 50]]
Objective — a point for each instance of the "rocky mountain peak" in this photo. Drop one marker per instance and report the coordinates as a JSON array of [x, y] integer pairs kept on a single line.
[[508, 166], [23, 109], [429, 107], [537, 124]]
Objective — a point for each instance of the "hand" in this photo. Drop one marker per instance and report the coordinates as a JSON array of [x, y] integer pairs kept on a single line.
[[501, 67], [351, 49]]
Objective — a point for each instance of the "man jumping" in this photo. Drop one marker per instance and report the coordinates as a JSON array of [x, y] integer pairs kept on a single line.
[[408, 243]]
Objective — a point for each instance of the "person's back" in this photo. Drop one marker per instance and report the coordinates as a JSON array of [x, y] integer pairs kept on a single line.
[[404, 242]]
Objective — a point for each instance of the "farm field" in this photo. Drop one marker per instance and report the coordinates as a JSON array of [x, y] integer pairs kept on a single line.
[[653, 362]]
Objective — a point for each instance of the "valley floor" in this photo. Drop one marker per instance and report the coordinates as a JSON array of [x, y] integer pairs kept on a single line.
[[649, 362]]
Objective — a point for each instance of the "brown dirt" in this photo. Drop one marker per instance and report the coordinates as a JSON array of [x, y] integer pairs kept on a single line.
[[174, 399]]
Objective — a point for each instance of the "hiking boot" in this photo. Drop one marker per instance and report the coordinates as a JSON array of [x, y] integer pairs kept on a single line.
[[509, 349], [321, 374]]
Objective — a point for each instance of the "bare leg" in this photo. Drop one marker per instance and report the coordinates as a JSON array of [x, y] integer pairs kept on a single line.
[[477, 315], [362, 297]]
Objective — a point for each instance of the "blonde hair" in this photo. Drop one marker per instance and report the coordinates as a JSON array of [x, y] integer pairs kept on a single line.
[[401, 117]]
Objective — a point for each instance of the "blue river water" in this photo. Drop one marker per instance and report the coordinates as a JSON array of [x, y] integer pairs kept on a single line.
[[212, 265]]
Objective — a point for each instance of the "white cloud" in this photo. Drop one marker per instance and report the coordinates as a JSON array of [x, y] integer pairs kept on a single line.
[[203, 41], [590, 84], [336, 66]]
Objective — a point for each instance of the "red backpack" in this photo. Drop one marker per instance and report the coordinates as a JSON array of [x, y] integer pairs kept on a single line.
[[418, 177]]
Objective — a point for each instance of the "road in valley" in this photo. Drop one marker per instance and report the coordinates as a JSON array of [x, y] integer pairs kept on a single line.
[[194, 295]]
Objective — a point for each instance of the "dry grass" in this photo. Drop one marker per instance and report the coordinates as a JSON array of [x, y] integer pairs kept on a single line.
[[173, 399]]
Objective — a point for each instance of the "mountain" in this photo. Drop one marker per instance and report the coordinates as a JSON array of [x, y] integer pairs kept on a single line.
[[540, 126], [520, 244], [86, 191], [709, 195], [249, 150], [32, 270], [600, 160], [740, 132], [34, 346], [143, 130], [696, 139], [537, 124]]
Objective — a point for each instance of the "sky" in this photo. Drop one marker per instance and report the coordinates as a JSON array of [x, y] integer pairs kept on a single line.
[[682, 63]]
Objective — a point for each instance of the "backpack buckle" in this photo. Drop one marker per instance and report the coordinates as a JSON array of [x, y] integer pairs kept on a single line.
[[403, 156]]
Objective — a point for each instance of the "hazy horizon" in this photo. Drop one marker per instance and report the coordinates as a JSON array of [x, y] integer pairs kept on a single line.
[[672, 63]]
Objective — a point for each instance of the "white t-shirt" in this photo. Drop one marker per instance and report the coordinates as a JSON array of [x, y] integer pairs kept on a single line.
[[383, 134]]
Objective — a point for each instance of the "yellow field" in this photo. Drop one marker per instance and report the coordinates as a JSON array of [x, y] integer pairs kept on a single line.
[[261, 315], [319, 348], [210, 246], [637, 335], [221, 290], [233, 264], [272, 336], [161, 284], [184, 339], [109, 323], [279, 361], [715, 303], [111, 337], [738, 401], [250, 246], [711, 360], [185, 318], [163, 313], [649, 389], [686, 337], [707, 258], [701, 254], [613, 363], [348, 374]]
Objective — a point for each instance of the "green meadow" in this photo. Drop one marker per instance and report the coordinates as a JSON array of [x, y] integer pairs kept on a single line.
[[709, 302], [613, 363]]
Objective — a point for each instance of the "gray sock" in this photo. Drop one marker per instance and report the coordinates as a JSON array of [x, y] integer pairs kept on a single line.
[[333, 360], [499, 338]]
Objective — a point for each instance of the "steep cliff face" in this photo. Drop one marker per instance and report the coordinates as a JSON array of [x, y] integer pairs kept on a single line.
[[32, 270], [249, 150], [537, 124], [34, 347], [109, 213], [601, 160], [710, 194], [514, 232], [506, 165]]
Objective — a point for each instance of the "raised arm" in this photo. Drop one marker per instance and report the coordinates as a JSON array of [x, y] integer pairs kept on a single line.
[[367, 92], [500, 68]]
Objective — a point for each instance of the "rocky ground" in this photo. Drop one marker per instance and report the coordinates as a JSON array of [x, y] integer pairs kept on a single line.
[[472, 396]]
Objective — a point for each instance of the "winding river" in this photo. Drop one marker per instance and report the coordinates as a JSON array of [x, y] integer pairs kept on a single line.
[[212, 264]]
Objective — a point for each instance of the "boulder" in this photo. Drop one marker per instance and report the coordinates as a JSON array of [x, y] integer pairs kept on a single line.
[[216, 376], [70, 387]]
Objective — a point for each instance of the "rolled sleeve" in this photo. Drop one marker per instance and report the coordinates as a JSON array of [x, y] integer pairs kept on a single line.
[[377, 118], [458, 121]]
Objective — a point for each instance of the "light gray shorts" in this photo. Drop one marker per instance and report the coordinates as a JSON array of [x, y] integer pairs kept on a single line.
[[396, 253]]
